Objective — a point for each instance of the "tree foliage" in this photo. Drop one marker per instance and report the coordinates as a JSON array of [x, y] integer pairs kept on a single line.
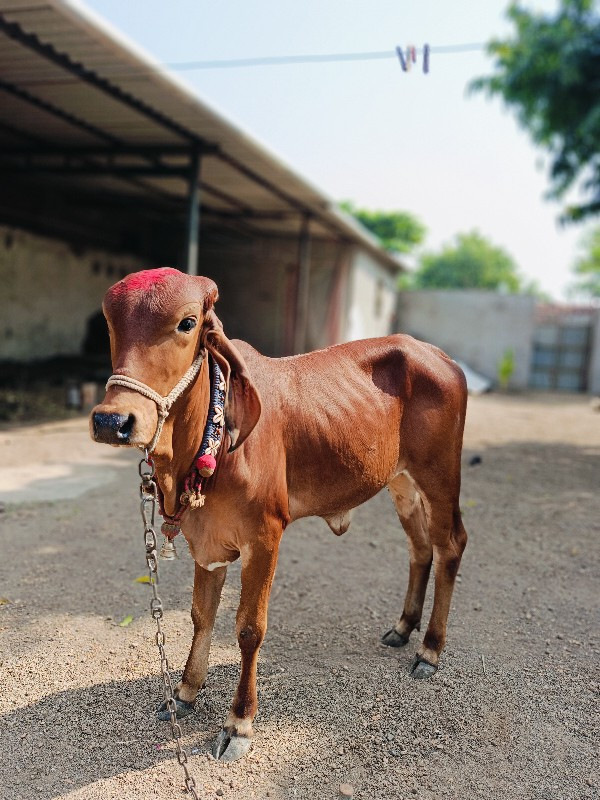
[[471, 263], [587, 267], [549, 73], [398, 231]]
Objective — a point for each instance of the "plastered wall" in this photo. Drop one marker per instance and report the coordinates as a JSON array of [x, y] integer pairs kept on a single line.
[[257, 286], [48, 291], [255, 293], [477, 327]]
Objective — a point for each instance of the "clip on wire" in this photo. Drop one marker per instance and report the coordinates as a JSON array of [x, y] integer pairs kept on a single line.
[[402, 59], [410, 57]]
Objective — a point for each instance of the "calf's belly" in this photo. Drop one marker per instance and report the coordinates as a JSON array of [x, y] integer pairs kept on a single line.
[[336, 492]]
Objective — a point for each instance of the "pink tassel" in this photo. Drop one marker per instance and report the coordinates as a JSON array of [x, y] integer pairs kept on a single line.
[[206, 465]]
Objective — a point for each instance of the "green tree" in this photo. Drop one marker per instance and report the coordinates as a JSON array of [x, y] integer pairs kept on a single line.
[[549, 73], [471, 263], [587, 267], [398, 231]]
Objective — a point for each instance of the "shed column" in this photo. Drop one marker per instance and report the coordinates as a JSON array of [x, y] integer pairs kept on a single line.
[[303, 287], [193, 217]]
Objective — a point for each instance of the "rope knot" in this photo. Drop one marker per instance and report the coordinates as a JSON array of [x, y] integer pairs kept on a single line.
[[192, 498]]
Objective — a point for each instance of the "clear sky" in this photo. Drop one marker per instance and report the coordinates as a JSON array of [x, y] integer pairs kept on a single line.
[[366, 131]]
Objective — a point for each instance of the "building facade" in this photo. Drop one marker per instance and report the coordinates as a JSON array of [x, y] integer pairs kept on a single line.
[[110, 164]]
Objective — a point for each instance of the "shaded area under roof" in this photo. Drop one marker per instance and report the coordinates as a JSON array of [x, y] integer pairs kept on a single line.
[[91, 112]]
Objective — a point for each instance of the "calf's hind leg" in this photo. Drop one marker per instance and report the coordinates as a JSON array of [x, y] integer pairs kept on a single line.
[[411, 512], [449, 539]]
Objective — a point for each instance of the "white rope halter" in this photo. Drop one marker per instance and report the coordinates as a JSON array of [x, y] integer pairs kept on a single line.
[[163, 404]]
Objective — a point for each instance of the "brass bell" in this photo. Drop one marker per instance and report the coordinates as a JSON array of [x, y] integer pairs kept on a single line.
[[168, 551]]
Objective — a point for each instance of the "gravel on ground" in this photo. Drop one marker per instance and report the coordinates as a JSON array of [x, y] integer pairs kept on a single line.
[[511, 713]]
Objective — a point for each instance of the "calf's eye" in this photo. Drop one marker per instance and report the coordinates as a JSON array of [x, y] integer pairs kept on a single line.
[[187, 324]]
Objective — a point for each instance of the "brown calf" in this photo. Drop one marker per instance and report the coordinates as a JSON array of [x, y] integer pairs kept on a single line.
[[315, 434]]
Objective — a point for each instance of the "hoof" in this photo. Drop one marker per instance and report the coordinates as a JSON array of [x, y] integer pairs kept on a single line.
[[420, 669], [229, 747], [394, 639], [183, 710]]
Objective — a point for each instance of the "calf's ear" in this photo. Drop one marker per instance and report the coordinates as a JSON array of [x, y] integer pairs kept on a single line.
[[242, 403]]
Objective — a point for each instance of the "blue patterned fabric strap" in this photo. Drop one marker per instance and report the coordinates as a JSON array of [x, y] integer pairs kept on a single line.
[[205, 461], [215, 424]]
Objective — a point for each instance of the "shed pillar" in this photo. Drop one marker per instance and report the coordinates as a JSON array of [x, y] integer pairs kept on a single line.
[[303, 287], [193, 216]]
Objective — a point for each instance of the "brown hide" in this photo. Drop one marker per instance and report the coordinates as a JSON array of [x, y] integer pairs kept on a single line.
[[316, 434]]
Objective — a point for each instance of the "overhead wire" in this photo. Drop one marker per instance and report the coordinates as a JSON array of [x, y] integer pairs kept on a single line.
[[317, 58]]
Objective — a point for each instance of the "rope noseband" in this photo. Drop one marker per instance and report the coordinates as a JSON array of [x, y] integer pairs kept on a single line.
[[163, 404], [204, 462]]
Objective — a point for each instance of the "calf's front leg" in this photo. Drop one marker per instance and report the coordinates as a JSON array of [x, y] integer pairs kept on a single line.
[[207, 593], [259, 560]]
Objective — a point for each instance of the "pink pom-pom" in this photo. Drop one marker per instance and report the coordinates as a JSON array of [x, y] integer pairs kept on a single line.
[[206, 465]]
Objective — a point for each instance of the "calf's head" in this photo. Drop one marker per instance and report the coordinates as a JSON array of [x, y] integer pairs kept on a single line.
[[159, 320]]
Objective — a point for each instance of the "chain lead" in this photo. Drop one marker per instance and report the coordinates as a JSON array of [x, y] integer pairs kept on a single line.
[[148, 498]]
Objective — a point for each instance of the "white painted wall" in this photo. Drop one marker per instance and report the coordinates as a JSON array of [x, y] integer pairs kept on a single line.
[[48, 292], [372, 298], [477, 327]]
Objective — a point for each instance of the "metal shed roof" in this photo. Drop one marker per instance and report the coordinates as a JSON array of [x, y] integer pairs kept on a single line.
[[79, 101]]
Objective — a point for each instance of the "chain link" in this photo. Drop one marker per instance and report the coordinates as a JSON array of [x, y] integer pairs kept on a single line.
[[148, 503]]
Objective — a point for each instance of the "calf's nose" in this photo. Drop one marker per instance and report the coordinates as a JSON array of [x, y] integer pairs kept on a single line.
[[112, 428]]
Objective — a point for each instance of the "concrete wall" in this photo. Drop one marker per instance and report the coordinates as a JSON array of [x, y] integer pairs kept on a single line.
[[251, 276], [48, 292], [50, 289], [372, 299], [477, 327], [257, 289], [350, 296]]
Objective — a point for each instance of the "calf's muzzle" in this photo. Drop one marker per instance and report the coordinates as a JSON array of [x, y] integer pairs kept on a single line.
[[112, 428]]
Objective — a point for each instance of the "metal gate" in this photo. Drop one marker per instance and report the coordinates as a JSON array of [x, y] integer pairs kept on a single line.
[[561, 351]]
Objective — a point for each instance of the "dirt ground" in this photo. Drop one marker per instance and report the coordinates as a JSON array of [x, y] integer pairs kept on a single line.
[[511, 713]]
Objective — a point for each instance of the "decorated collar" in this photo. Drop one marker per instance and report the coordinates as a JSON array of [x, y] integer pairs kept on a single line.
[[205, 461]]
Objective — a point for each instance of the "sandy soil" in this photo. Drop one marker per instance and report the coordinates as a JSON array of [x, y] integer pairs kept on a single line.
[[511, 713]]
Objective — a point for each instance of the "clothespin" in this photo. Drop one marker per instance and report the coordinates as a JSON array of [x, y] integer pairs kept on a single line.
[[400, 53], [409, 57]]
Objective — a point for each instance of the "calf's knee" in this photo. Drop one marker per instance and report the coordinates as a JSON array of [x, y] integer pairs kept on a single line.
[[250, 637]]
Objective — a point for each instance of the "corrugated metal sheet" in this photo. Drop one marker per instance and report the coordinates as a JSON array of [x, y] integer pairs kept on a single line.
[[261, 184]]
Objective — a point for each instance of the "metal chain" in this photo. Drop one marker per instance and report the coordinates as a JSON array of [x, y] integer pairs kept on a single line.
[[148, 503]]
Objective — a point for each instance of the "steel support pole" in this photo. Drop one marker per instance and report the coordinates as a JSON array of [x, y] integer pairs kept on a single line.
[[193, 218], [303, 287]]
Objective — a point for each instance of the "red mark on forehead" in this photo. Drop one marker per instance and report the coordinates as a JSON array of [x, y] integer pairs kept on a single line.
[[144, 280]]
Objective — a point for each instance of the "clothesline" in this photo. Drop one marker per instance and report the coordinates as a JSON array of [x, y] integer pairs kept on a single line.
[[320, 58]]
